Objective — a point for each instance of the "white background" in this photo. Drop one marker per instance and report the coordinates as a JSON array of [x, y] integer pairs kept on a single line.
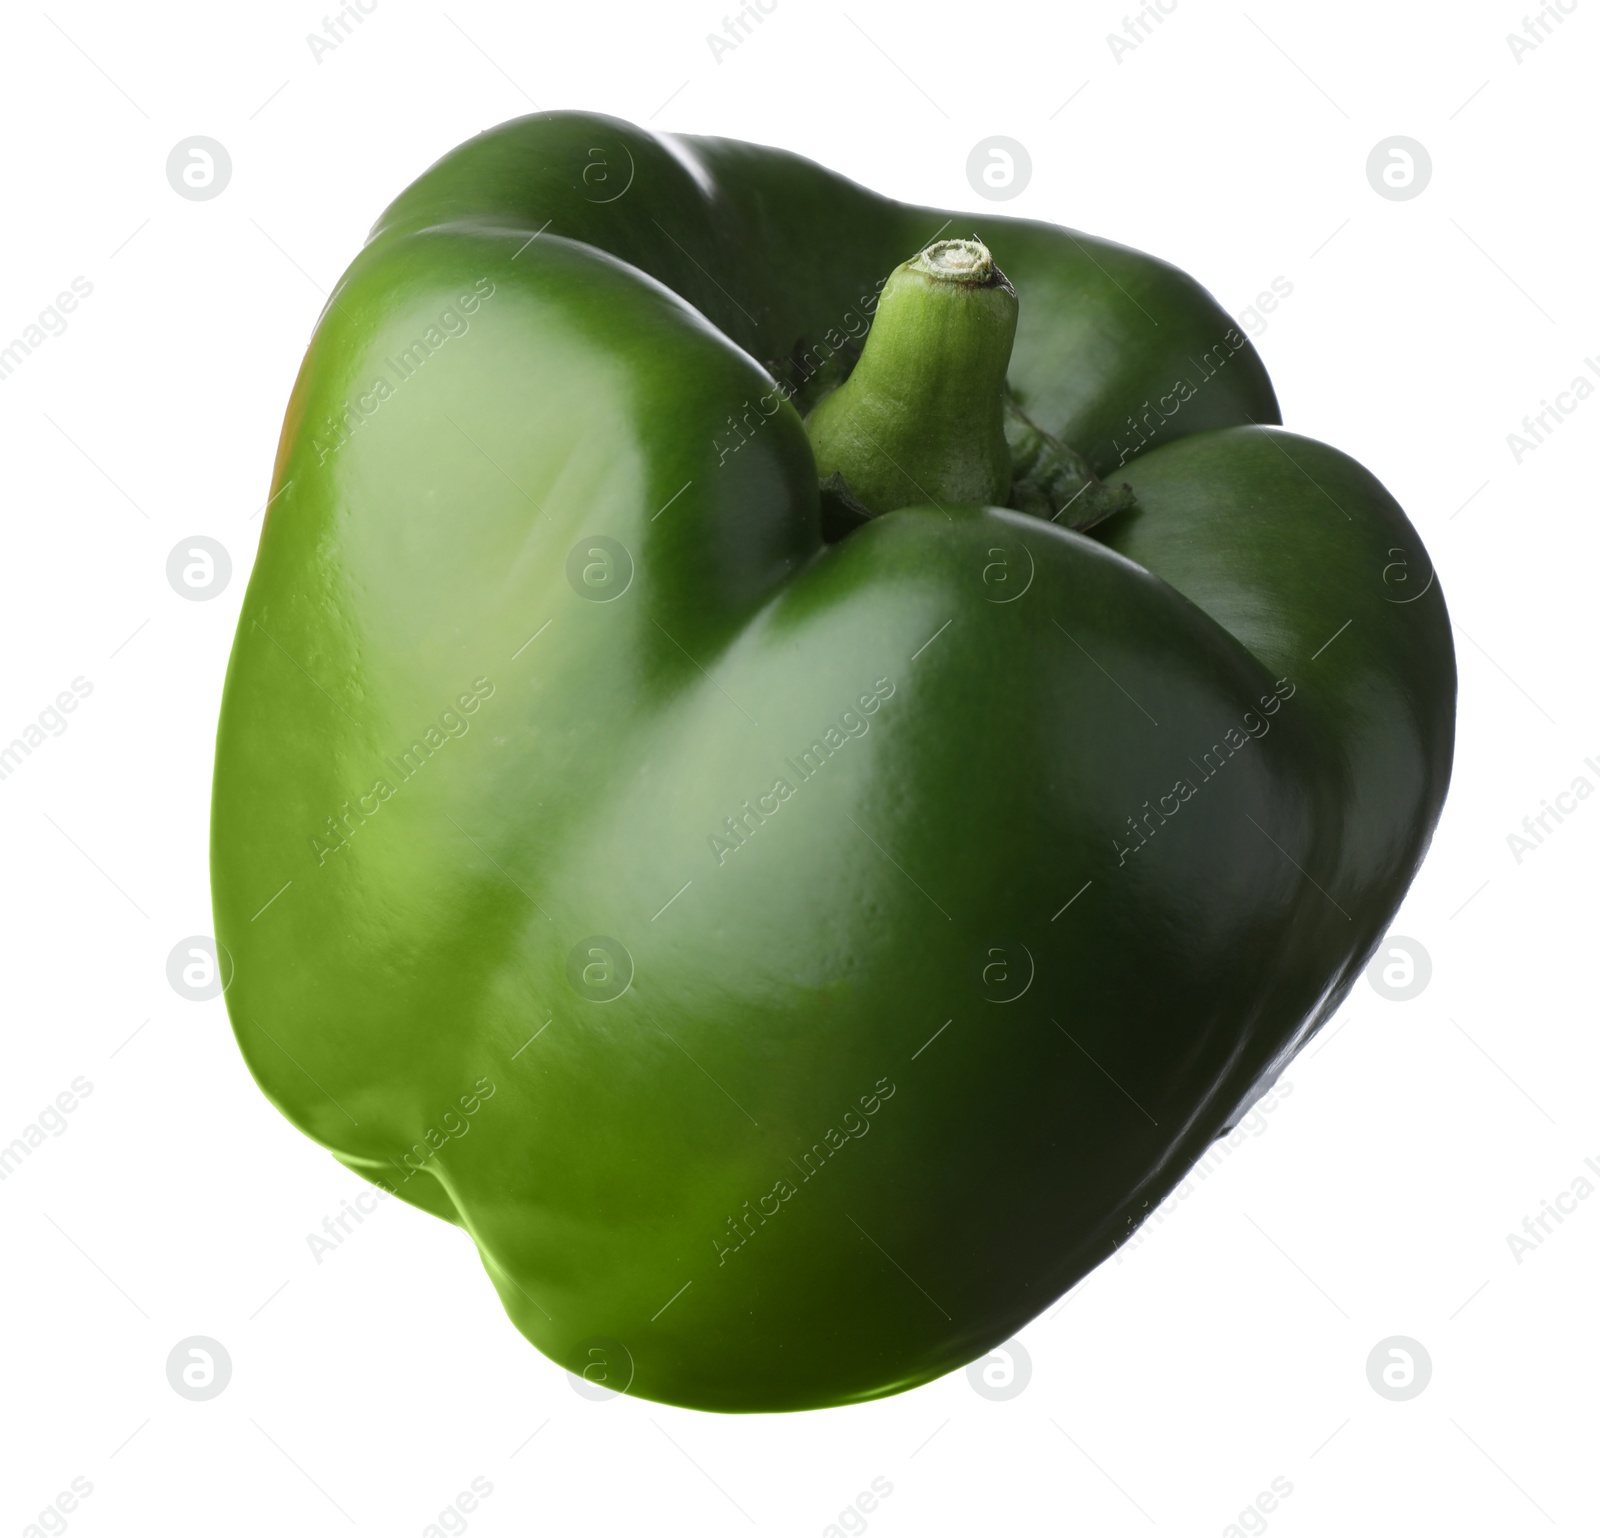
[[1227, 1347]]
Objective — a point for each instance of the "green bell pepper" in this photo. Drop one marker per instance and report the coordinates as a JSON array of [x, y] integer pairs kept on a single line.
[[798, 900]]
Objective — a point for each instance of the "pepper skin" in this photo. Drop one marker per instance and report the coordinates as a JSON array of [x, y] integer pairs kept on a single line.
[[794, 963]]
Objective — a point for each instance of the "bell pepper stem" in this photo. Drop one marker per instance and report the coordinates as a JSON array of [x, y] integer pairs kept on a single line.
[[921, 419]]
